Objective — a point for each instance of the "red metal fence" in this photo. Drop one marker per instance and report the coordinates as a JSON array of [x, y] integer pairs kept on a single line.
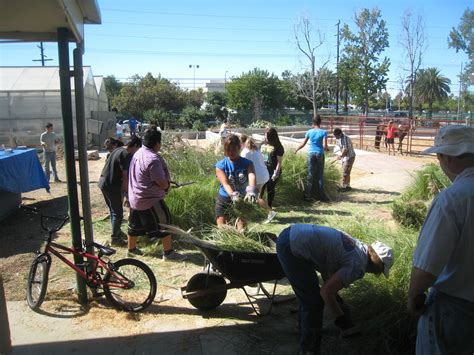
[[412, 136]]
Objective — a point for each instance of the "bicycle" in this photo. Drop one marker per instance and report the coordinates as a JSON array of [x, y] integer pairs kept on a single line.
[[128, 284]]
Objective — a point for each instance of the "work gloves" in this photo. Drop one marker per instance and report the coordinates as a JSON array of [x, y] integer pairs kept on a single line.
[[348, 329], [250, 194], [235, 196]]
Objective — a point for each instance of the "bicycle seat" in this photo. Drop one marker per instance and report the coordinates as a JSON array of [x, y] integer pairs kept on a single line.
[[103, 250]]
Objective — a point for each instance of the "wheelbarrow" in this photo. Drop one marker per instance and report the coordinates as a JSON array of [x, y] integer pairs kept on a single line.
[[226, 270]]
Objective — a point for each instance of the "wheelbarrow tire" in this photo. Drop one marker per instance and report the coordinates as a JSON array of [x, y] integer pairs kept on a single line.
[[204, 281]]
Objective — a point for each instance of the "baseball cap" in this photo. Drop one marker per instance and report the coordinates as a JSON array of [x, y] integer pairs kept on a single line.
[[385, 254], [453, 140]]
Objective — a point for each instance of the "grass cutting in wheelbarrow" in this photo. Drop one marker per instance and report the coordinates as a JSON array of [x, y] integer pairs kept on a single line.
[[233, 260]]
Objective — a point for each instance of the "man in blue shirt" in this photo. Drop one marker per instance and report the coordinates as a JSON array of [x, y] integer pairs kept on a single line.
[[132, 123], [340, 259]]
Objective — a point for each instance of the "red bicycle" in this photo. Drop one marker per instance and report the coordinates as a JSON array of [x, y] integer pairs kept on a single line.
[[128, 284]]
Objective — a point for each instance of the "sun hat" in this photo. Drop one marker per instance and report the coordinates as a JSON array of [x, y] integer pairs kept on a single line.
[[453, 140], [385, 254]]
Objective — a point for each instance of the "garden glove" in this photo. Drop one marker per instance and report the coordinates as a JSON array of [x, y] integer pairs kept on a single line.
[[235, 196], [275, 175], [250, 194], [348, 329]]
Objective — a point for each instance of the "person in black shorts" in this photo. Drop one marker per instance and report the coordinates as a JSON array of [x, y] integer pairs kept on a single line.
[[149, 183]]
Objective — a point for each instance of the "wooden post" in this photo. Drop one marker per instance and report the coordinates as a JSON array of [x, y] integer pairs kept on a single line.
[[5, 341]]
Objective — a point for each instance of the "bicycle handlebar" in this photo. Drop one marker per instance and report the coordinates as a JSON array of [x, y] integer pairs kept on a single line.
[[64, 219]]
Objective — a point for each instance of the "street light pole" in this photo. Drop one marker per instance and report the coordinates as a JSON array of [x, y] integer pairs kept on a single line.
[[225, 80], [194, 66]]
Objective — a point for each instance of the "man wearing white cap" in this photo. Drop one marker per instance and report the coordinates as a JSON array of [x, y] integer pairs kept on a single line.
[[444, 256], [340, 259]]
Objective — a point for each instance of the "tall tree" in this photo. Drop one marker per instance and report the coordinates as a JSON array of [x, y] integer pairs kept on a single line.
[[112, 88], [413, 41], [308, 84], [255, 90], [362, 51], [430, 86], [462, 39], [145, 93]]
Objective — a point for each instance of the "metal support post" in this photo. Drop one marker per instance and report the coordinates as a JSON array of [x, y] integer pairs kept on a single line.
[[82, 147], [66, 108]]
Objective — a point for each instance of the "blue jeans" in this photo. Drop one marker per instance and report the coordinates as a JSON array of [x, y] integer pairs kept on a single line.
[[50, 159], [113, 199], [305, 284], [315, 171], [446, 327]]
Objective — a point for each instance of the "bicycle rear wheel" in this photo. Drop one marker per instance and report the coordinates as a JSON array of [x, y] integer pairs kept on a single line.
[[38, 281], [131, 286]]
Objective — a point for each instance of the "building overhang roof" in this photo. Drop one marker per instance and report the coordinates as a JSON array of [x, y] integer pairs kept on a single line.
[[35, 21]]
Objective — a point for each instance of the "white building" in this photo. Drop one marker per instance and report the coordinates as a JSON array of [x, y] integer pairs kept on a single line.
[[215, 86]]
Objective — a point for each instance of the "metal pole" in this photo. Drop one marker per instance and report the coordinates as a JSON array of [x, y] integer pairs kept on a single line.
[[82, 147], [459, 97], [66, 108], [337, 70], [5, 340]]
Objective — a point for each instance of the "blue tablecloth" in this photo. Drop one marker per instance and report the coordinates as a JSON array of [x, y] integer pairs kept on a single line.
[[21, 171]]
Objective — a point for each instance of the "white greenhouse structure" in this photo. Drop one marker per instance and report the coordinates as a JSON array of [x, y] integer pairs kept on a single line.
[[30, 97]]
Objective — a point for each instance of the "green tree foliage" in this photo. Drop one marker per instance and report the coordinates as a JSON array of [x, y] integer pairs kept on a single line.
[[255, 90], [192, 117], [160, 117], [462, 39], [195, 98], [362, 54], [430, 86], [146, 93], [216, 105], [112, 87]]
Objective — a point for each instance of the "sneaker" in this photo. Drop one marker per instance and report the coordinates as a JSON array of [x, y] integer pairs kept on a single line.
[[271, 215], [134, 252], [174, 256], [118, 242]]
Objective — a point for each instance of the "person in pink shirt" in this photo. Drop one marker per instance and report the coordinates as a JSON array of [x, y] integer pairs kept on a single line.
[[391, 130], [148, 184]]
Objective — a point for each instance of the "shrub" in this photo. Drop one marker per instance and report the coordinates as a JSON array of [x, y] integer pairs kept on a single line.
[[410, 213], [411, 208]]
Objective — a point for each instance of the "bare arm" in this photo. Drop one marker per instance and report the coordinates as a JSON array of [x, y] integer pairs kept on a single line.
[[252, 176], [301, 145], [420, 281], [329, 291], [326, 147], [279, 161], [224, 181]]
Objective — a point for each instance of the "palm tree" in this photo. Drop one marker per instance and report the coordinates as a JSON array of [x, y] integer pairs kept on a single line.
[[430, 86]]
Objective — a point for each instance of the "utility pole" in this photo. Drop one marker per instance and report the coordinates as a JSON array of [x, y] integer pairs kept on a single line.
[[337, 70], [43, 56], [459, 97]]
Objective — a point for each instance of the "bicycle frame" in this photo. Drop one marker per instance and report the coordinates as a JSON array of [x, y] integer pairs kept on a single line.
[[92, 260]]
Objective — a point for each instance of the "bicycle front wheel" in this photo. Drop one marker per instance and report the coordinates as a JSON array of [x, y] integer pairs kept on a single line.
[[130, 286], [38, 281]]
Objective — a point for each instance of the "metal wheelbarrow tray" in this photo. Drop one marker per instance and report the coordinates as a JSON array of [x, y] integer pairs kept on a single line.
[[207, 290]]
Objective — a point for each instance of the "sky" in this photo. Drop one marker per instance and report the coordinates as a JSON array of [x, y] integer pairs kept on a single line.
[[192, 42]]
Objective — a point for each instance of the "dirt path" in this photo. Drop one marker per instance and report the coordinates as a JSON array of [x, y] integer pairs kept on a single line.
[[171, 325]]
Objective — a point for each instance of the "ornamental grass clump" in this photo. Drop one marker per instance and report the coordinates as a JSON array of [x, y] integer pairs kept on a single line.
[[411, 208], [250, 212], [228, 238]]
